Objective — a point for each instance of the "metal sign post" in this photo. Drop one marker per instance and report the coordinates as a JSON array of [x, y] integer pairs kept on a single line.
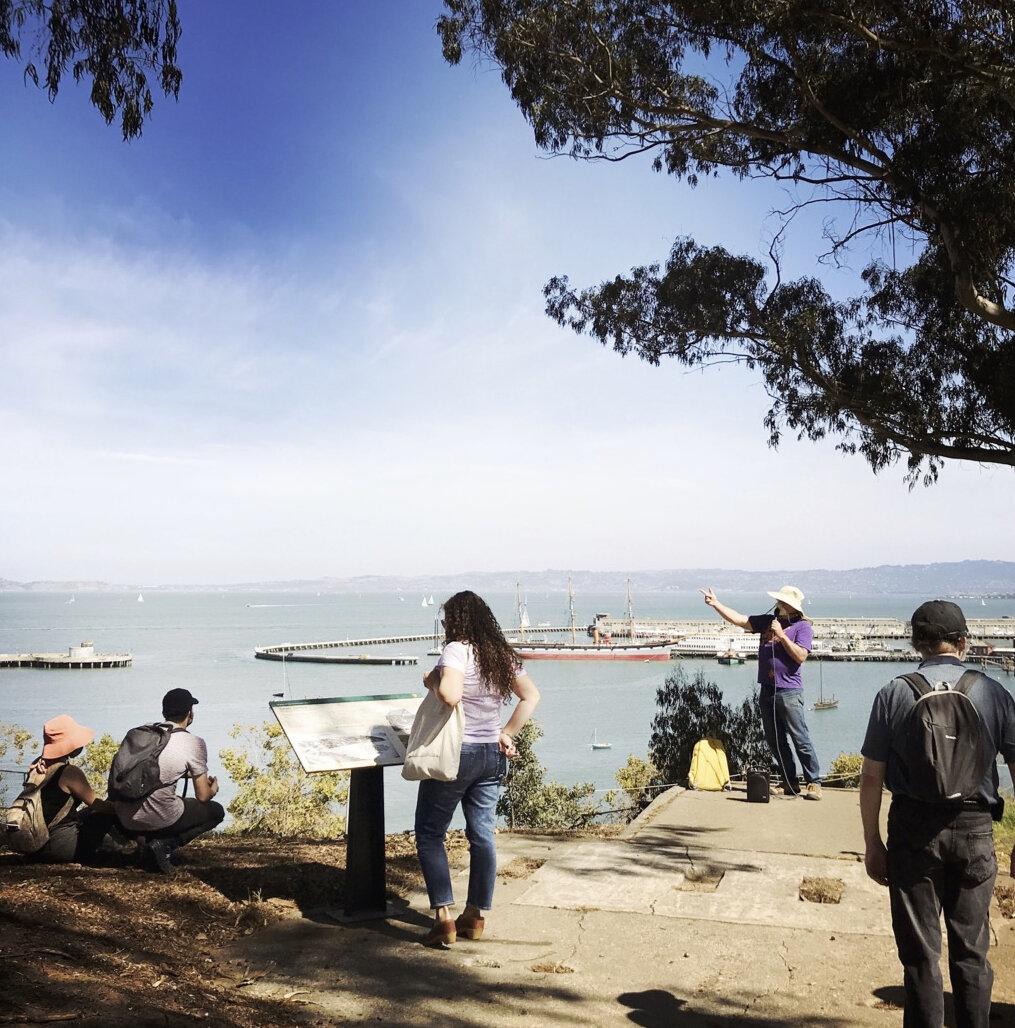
[[361, 735]]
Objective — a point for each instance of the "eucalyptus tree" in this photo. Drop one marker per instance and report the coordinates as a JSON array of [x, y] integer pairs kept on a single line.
[[898, 116], [115, 45]]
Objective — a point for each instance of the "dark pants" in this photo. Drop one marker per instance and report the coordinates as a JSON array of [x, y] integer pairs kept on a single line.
[[196, 819], [942, 859], [76, 838], [782, 718]]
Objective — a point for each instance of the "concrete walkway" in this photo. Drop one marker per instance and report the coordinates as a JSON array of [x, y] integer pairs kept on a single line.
[[692, 918]]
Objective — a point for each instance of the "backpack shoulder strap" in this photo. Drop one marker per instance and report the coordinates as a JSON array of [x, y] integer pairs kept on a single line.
[[967, 681], [918, 683], [53, 772]]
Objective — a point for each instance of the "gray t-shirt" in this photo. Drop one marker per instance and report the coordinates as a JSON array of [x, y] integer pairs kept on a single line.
[[184, 755], [892, 705]]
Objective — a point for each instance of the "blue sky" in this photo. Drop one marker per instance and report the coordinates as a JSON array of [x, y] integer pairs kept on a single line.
[[296, 330]]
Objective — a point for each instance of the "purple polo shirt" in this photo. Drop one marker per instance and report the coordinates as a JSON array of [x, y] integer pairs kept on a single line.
[[775, 666]]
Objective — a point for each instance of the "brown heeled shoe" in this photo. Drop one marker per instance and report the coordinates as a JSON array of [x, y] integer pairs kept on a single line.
[[469, 928], [442, 935]]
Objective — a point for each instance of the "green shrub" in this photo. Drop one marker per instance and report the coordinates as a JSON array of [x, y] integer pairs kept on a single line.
[[529, 802], [689, 709], [96, 762], [844, 771], [17, 748], [634, 778], [275, 796]]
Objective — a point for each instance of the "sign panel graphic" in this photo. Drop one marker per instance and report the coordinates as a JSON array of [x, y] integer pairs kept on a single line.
[[350, 732]]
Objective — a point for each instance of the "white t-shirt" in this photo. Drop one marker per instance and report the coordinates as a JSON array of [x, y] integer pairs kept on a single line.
[[481, 702], [185, 754]]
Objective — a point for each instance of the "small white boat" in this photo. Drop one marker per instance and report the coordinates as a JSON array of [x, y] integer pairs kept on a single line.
[[597, 745], [424, 603], [429, 602], [140, 598]]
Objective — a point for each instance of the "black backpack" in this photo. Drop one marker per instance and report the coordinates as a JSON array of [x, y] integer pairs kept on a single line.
[[944, 749], [135, 772]]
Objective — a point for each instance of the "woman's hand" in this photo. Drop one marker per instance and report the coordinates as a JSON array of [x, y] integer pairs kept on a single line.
[[507, 745]]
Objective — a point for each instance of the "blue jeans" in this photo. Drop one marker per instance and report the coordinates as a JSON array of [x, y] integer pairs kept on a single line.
[[782, 716], [942, 859], [480, 774]]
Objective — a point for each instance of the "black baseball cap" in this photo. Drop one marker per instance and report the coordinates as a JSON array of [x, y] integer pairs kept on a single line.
[[177, 702], [939, 619]]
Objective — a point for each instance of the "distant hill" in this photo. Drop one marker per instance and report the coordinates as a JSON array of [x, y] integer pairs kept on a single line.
[[958, 578]]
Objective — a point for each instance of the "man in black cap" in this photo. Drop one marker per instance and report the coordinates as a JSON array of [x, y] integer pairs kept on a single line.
[[168, 820], [940, 853]]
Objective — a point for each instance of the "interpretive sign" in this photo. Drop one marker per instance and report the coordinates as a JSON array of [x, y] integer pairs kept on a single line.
[[361, 735], [349, 732]]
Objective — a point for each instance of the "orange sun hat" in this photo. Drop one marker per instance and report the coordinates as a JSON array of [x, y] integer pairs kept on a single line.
[[63, 735]]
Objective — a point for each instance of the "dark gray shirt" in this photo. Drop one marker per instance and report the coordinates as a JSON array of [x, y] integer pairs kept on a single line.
[[892, 705]]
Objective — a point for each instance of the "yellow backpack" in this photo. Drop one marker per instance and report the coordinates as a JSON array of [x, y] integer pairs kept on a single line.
[[709, 769]]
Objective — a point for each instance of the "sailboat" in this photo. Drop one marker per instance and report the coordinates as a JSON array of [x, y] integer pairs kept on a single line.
[[523, 610], [140, 598], [822, 703], [424, 603], [438, 638], [597, 745], [429, 602]]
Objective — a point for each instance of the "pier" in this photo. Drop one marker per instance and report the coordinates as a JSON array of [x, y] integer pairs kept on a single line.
[[65, 660], [276, 652], [859, 640], [326, 658], [833, 629]]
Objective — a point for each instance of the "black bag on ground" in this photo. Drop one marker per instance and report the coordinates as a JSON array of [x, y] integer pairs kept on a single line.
[[944, 748], [757, 787], [135, 772]]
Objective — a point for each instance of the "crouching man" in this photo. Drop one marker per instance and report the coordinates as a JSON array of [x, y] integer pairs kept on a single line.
[[941, 769], [166, 819]]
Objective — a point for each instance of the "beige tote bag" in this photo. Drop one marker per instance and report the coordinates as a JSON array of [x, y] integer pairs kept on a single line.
[[435, 742]]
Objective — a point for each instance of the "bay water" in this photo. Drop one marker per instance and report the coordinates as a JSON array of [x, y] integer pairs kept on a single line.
[[205, 641]]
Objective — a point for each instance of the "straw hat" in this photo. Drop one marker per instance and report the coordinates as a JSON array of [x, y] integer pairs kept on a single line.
[[64, 735], [792, 597]]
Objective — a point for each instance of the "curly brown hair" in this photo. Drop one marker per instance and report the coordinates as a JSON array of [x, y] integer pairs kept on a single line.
[[468, 619]]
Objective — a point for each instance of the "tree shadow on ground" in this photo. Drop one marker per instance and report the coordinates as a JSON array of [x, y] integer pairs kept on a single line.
[[657, 1008]]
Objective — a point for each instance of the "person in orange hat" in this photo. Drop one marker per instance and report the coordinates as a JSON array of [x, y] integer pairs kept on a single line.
[[77, 819]]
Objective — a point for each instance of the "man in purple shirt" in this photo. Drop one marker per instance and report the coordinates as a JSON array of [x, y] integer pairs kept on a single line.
[[786, 640]]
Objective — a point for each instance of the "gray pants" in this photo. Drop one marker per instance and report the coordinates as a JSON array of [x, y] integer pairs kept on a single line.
[[942, 859]]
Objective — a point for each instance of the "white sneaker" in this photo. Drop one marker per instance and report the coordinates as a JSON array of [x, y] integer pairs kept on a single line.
[[813, 791]]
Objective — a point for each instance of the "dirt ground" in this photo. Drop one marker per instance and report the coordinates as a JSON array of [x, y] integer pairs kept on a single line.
[[114, 945]]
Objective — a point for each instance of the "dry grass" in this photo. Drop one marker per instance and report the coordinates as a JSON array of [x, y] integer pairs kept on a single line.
[[821, 890]]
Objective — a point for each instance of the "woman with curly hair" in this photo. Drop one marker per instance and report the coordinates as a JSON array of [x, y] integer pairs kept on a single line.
[[479, 669]]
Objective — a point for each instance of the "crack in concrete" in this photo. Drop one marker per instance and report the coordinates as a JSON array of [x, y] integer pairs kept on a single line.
[[790, 970]]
